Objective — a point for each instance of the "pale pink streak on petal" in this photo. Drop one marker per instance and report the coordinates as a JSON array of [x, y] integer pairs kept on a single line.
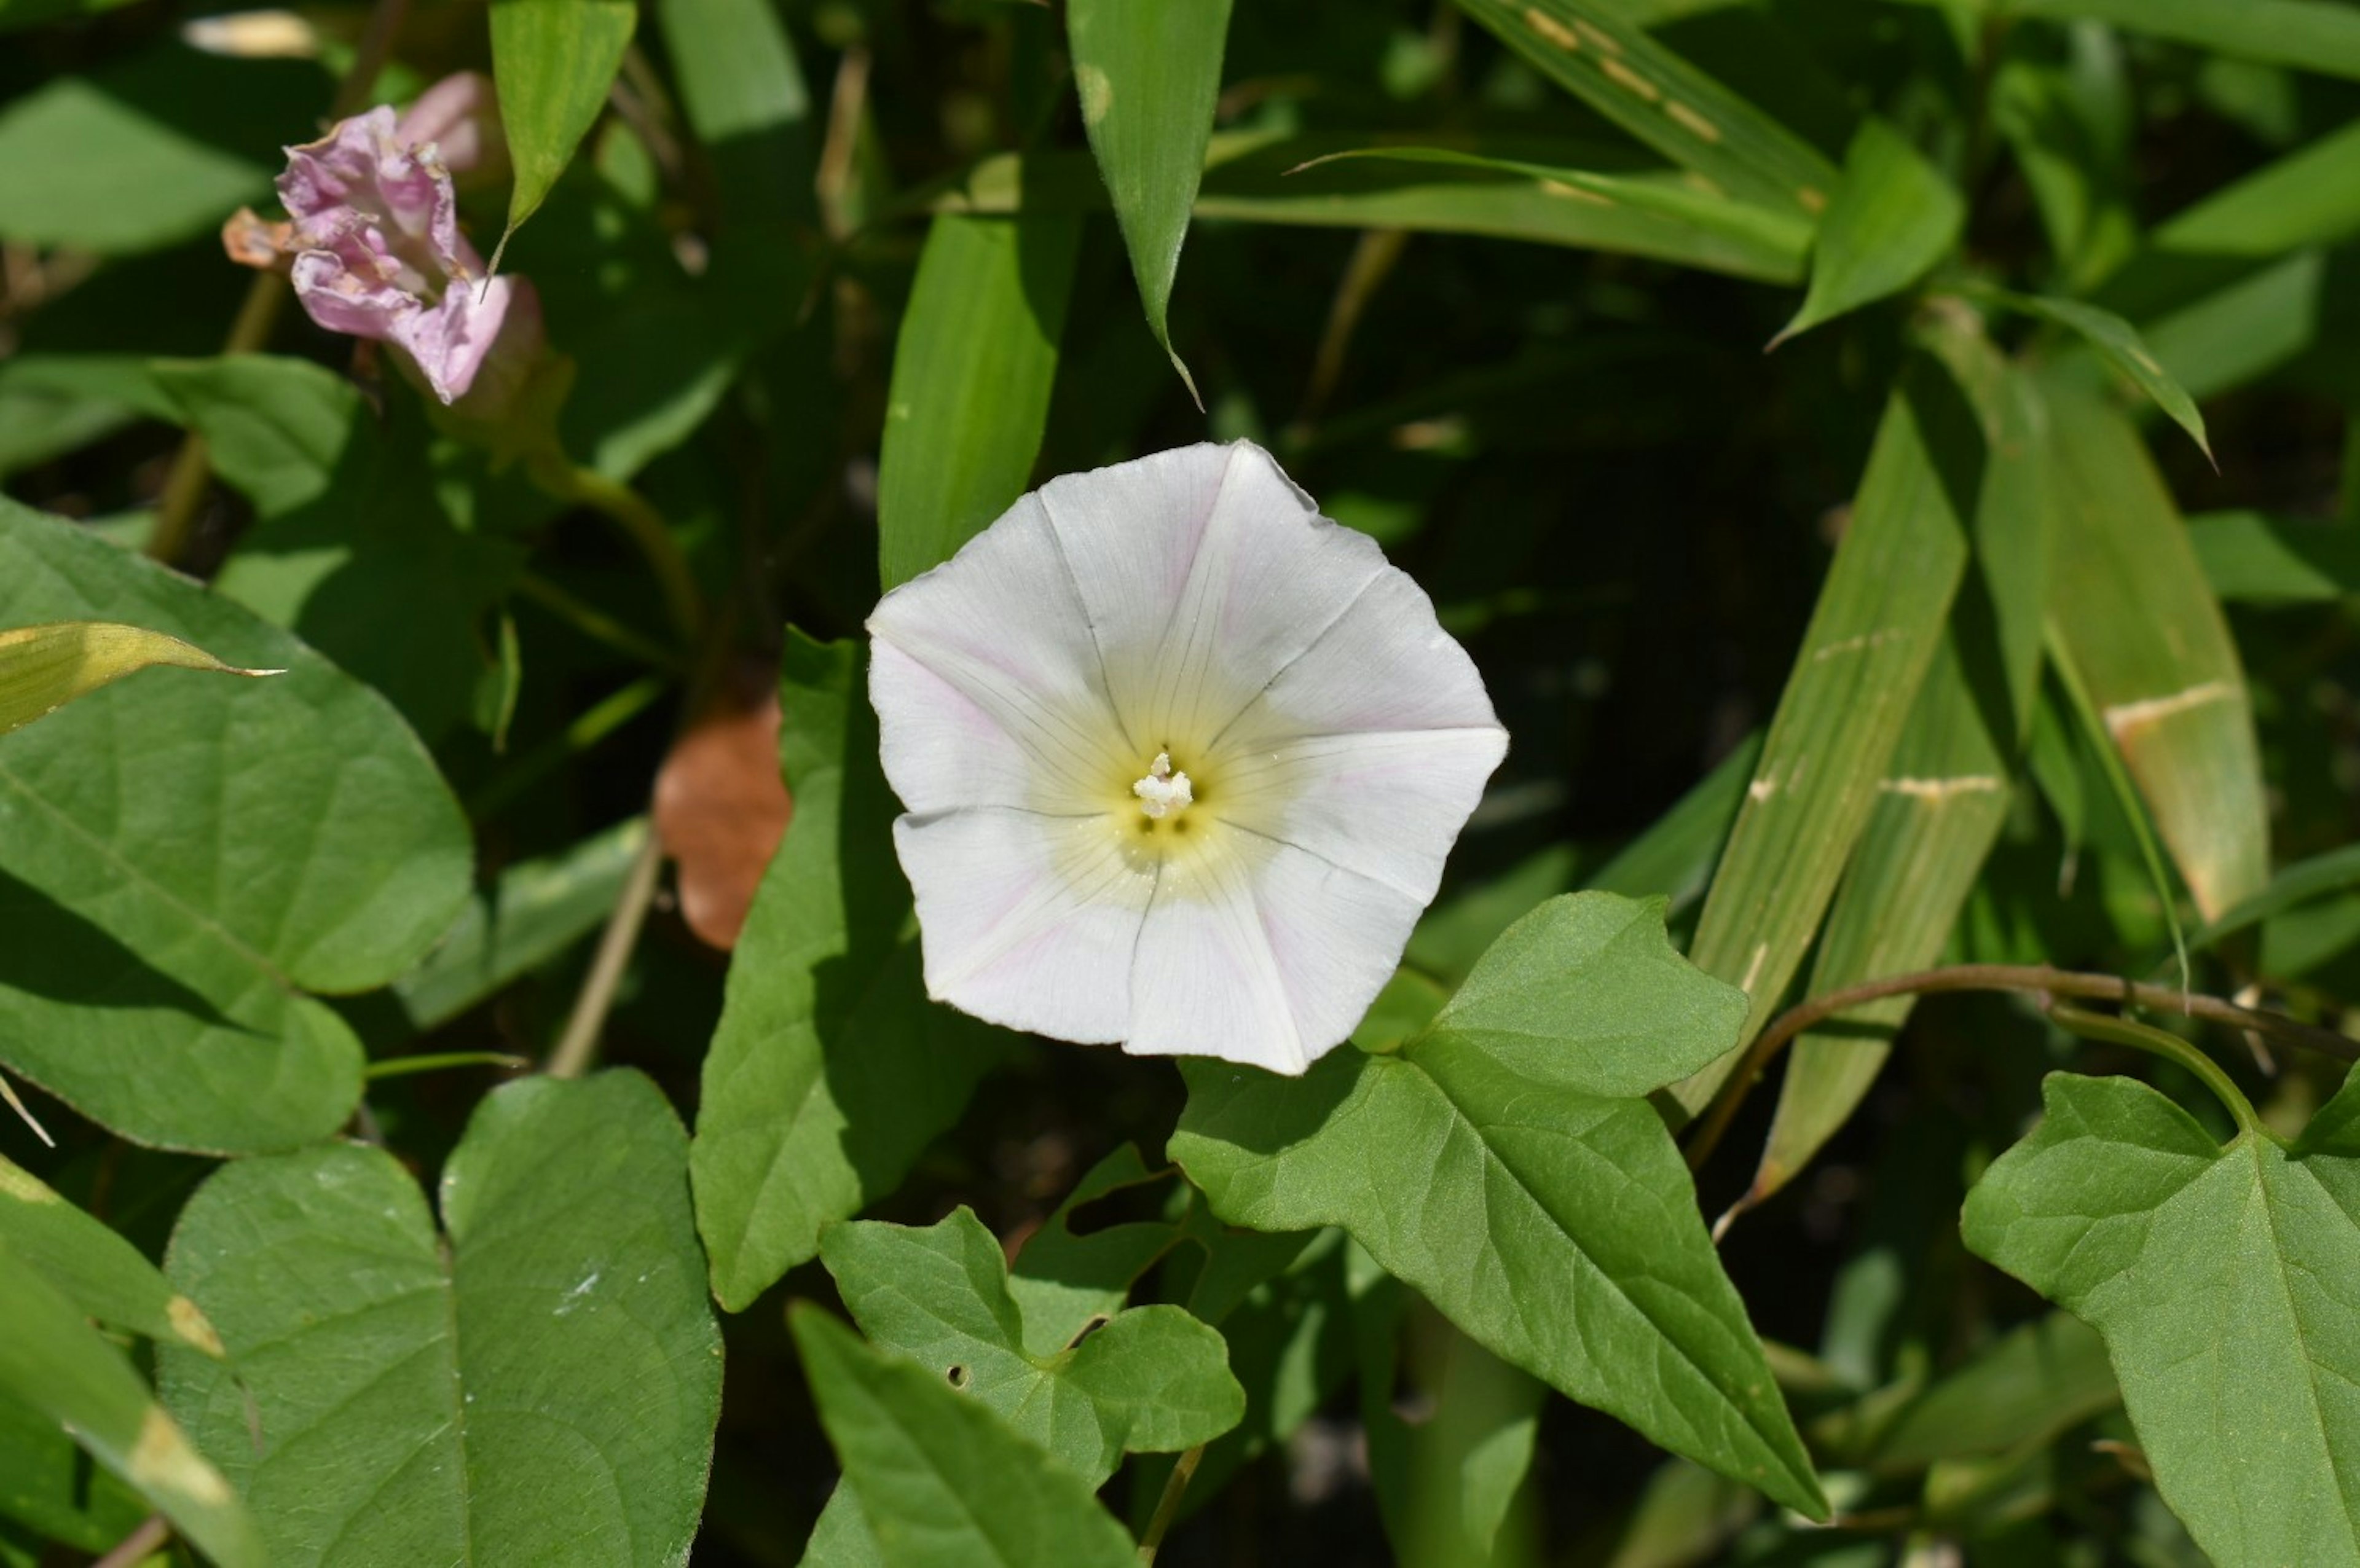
[[999, 621], [1026, 921]]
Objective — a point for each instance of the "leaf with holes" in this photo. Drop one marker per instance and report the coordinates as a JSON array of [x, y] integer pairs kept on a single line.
[[948, 1483], [538, 1382]]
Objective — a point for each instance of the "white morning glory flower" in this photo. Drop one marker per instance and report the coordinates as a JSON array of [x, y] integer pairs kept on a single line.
[[1181, 759]]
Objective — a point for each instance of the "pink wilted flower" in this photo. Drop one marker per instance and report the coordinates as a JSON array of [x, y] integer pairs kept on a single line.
[[376, 249], [1182, 760]]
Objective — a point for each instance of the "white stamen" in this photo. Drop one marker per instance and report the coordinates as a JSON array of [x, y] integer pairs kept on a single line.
[[1163, 792]]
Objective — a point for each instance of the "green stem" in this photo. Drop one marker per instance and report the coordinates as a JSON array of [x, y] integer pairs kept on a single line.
[[580, 1042], [1167, 1508], [644, 525], [402, 1066], [598, 624], [2171, 1048], [579, 736]]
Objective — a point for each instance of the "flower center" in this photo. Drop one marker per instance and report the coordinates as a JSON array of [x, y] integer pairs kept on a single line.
[[1163, 792]]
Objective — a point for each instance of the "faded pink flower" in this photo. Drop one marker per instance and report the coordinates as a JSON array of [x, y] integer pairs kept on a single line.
[[379, 253]]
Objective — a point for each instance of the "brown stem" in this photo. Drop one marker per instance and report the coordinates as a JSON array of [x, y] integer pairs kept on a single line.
[[580, 1044], [190, 477], [1167, 1508], [2036, 978], [140, 1545]]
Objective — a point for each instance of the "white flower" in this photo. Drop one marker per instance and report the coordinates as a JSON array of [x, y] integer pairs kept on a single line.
[[1182, 758]]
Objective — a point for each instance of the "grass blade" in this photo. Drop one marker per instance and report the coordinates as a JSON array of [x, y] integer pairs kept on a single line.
[[2143, 636], [1592, 52], [1148, 76], [1891, 220], [972, 371], [1871, 640]]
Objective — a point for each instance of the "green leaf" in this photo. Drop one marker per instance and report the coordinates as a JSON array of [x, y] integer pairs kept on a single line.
[[2071, 124], [553, 61], [2146, 637], [1253, 177], [2119, 344], [94, 1267], [46, 1486], [2215, 1275], [831, 1072], [1715, 222], [1061, 1280], [1148, 77], [2299, 884], [1891, 218], [352, 551], [1148, 1379], [945, 1482], [1872, 638], [44, 668], [150, 151], [2309, 197], [2308, 35], [972, 371], [55, 1364], [2025, 1388], [1624, 74], [1502, 1164], [2255, 559], [167, 917], [1445, 1483], [538, 1384], [535, 911]]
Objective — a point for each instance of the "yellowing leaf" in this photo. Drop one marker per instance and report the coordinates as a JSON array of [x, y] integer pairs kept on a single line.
[[44, 668]]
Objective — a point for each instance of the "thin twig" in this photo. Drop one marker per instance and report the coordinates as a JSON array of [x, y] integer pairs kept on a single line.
[[140, 1545], [1167, 1508], [8, 1093], [580, 1042], [190, 477], [2036, 978]]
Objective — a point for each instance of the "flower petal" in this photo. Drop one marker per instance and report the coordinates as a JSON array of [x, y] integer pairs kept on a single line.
[[1026, 920], [1386, 664], [449, 340], [941, 750], [1206, 572], [1000, 624], [345, 300], [1268, 955], [1386, 805]]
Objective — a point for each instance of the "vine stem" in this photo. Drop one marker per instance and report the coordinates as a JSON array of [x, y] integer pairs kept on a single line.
[[2171, 1048], [2036, 978], [1167, 1508], [580, 1042], [647, 529], [190, 475]]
